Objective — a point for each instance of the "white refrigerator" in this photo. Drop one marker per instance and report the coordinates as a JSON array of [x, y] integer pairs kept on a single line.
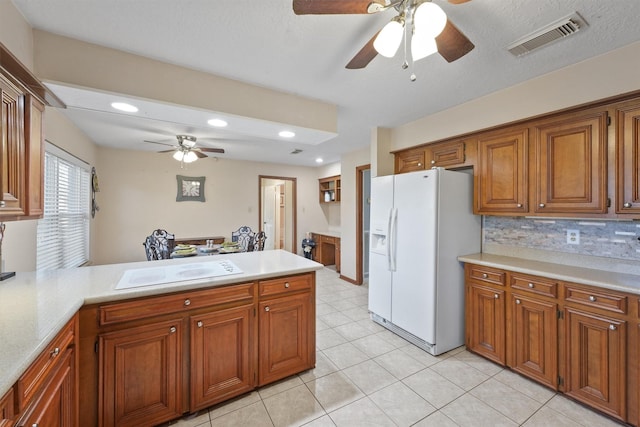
[[420, 223]]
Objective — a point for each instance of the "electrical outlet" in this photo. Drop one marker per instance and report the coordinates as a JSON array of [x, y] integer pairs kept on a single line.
[[573, 237]]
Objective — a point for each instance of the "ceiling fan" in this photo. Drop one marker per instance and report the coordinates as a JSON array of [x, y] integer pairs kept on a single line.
[[186, 151], [421, 20]]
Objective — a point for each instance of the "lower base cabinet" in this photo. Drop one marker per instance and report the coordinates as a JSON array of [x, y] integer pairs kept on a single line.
[[596, 361], [486, 333]]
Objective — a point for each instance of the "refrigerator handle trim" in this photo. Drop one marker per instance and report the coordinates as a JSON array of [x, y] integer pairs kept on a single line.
[[392, 241], [388, 240]]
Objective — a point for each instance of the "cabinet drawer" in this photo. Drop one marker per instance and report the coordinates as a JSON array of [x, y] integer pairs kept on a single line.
[[599, 298], [285, 285], [533, 284], [486, 275], [34, 377], [167, 304]]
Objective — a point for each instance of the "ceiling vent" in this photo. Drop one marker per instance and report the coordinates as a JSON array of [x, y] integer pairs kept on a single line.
[[296, 151], [544, 36]]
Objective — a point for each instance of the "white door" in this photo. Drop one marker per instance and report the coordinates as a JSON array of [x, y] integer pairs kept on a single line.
[[269, 197], [413, 295]]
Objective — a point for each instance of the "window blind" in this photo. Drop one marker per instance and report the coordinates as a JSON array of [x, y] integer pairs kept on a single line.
[[63, 231]]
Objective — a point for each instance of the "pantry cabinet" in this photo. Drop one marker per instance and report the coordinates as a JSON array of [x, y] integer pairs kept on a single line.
[[628, 159]]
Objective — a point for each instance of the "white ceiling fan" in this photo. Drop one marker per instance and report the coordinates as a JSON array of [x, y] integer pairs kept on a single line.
[[186, 151]]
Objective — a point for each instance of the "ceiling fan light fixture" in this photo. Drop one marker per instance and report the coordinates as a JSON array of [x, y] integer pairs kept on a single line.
[[189, 157], [388, 41], [429, 19], [422, 46], [178, 155]]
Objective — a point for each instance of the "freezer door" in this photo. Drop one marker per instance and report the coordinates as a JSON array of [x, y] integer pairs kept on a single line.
[[379, 286], [413, 294], [379, 273]]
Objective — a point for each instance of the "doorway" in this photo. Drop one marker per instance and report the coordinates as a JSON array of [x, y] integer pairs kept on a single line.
[[277, 213], [363, 203]]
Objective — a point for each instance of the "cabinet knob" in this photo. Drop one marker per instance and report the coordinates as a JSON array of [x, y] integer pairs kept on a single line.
[[199, 323], [592, 298], [172, 329], [55, 352], [419, 164], [518, 301], [627, 205], [531, 285], [267, 308], [187, 302], [433, 162], [613, 327], [541, 205], [34, 425], [485, 275], [286, 284], [2, 204], [519, 205], [496, 296]]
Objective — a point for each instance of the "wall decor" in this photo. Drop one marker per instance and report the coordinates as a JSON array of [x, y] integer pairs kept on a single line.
[[94, 189], [190, 188]]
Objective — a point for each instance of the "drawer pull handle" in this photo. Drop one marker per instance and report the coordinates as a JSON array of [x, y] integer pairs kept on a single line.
[[55, 352], [517, 301], [531, 285], [592, 298], [172, 329], [267, 308], [286, 284], [199, 323], [187, 302], [496, 296], [627, 205], [612, 327], [485, 275]]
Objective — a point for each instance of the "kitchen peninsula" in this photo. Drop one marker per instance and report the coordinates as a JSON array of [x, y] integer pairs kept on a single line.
[[261, 320]]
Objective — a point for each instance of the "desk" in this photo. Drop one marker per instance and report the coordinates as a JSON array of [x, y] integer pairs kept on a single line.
[[199, 240], [327, 250]]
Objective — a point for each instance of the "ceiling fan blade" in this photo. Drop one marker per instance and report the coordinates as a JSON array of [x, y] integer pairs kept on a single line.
[[452, 44], [211, 150], [161, 143], [332, 7], [366, 55], [199, 153], [167, 151], [458, 1]]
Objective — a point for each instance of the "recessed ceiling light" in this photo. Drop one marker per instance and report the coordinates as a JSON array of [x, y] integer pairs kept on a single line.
[[123, 106], [319, 160], [219, 123], [287, 134]]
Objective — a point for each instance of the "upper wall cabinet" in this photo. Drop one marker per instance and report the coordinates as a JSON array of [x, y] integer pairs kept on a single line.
[[329, 189], [12, 172], [449, 154], [628, 158], [571, 164], [410, 160], [501, 172]]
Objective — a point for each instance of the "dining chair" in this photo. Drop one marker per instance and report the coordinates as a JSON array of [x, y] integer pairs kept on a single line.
[[244, 236], [159, 245], [258, 241]]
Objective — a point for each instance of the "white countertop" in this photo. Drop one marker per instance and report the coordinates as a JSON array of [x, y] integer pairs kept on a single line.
[[35, 306], [588, 276]]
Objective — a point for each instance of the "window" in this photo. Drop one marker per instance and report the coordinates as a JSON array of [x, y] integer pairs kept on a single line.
[[63, 231]]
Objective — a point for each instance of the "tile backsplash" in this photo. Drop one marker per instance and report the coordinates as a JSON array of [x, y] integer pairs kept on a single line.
[[609, 239]]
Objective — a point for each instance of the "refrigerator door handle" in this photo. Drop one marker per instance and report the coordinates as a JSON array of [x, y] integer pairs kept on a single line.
[[388, 239], [392, 241]]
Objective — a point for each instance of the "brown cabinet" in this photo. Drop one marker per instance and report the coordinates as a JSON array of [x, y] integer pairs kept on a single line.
[[34, 140], [222, 355], [141, 374], [628, 159], [327, 250], [485, 312], [46, 393], [445, 154], [502, 185], [571, 164], [6, 409], [596, 361], [410, 160], [286, 327], [12, 172], [329, 189]]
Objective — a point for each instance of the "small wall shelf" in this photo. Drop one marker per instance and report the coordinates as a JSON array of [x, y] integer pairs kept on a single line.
[[329, 189]]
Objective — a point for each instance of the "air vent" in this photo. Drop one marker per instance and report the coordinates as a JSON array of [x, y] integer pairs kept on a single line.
[[544, 36], [296, 151]]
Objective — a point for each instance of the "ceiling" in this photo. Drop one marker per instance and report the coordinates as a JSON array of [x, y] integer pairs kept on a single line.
[[263, 42]]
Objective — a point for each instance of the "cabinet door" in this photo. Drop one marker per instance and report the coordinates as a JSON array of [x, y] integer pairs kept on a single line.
[[6, 409], [571, 165], [286, 337], [410, 160], [596, 361], [502, 184], [628, 160], [34, 140], [222, 355], [535, 339], [12, 162], [141, 375], [485, 322], [55, 406], [445, 154]]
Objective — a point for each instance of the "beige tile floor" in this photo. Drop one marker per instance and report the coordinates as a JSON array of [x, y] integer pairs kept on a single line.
[[367, 376]]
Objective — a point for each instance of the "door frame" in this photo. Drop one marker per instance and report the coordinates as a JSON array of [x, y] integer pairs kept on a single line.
[[359, 221], [294, 206]]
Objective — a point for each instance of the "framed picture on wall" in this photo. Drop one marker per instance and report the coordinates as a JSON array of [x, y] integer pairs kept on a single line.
[[190, 188]]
